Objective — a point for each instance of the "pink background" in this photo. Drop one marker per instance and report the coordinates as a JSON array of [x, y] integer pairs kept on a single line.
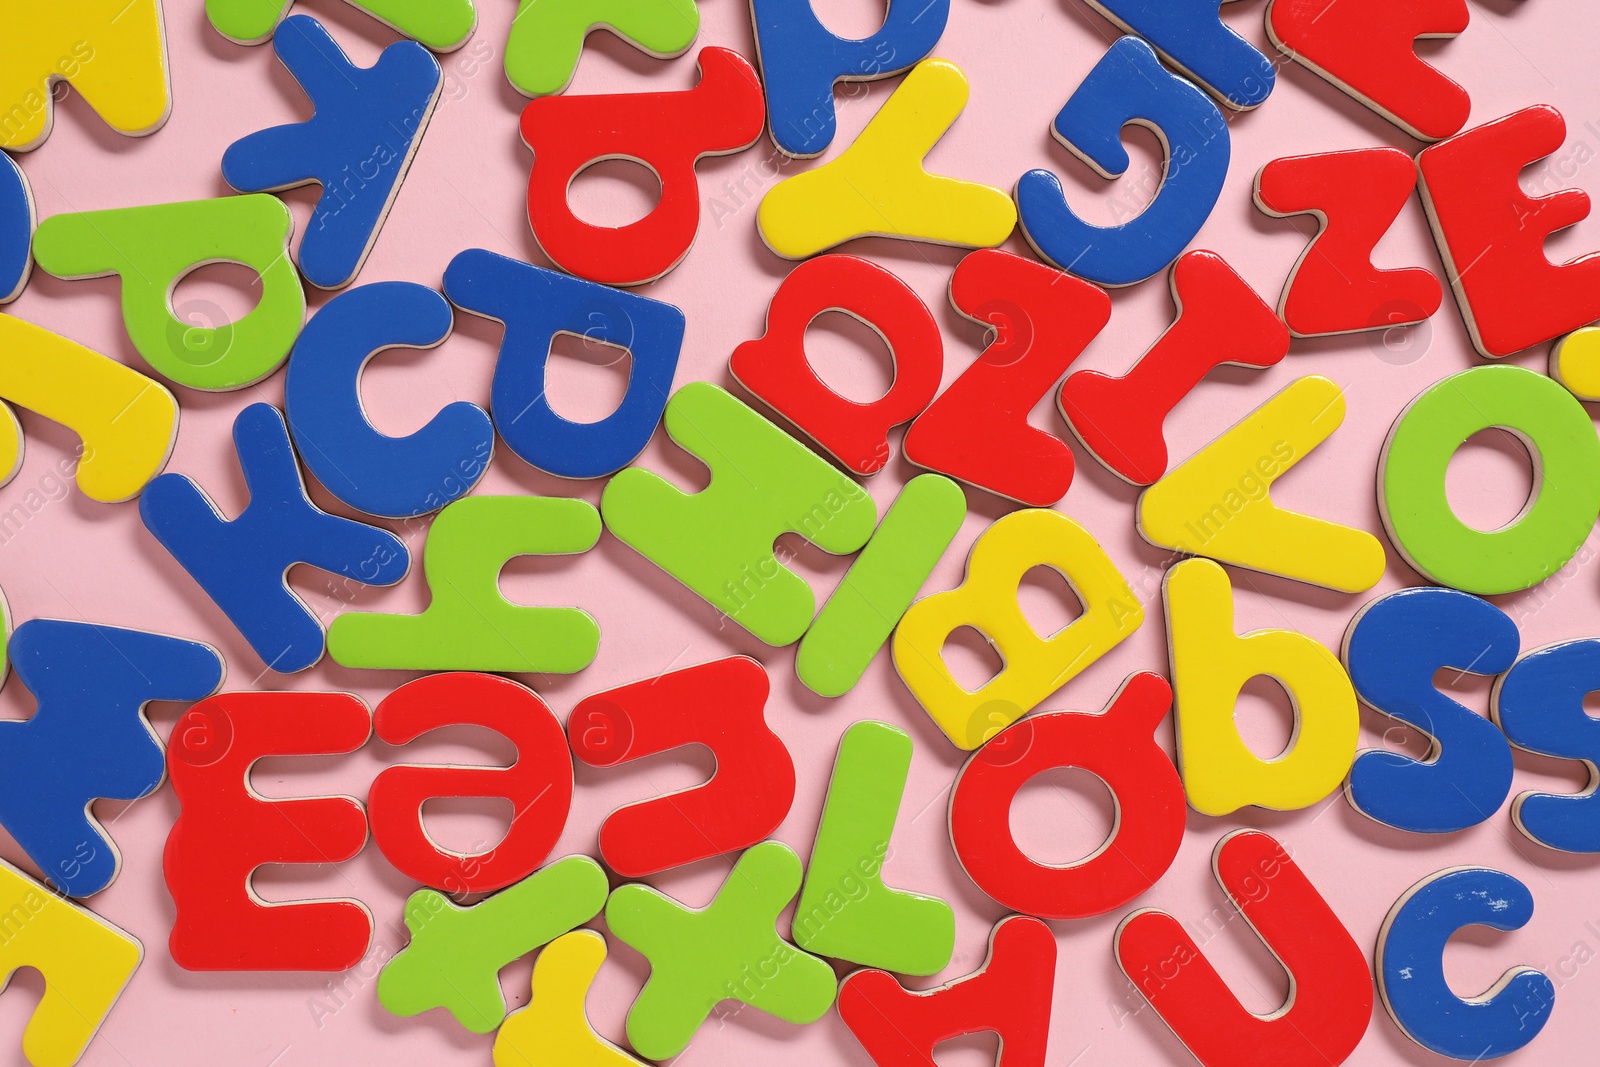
[[78, 559]]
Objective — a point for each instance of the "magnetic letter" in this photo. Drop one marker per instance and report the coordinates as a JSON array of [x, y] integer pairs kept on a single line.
[[1218, 502], [719, 541], [1394, 647], [1211, 663], [1354, 198], [668, 133], [978, 430], [1035, 666], [538, 784], [395, 477], [243, 563], [1330, 988], [534, 305], [719, 705], [1513, 297], [357, 146], [1117, 746], [1218, 319], [226, 830], [1129, 85]]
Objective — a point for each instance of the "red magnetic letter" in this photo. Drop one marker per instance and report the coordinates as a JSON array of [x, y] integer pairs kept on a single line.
[[775, 369], [538, 784], [667, 132], [978, 429], [1491, 234], [225, 831], [1367, 48], [718, 705], [1333, 287], [1009, 995], [1118, 746], [1219, 319], [1331, 988]]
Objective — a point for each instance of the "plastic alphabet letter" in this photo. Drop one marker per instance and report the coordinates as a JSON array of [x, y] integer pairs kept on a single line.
[[89, 739], [719, 541], [152, 248], [1410, 967], [1035, 666], [538, 785], [1010, 995], [1553, 526], [113, 52], [357, 146], [535, 304], [243, 563], [878, 186], [1393, 648], [908, 933], [1191, 35], [1218, 503], [1355, 197], [86, 963], [802, 60], [1211, 663], [127, 422], [1116, 745], [225, 830], [719, 705], [1218, 320], [978, 429], [442, 25], [553, 1030], [17, 219], [396, 477], [547, 38], [728, 950], [880, 585], [456, 954], [1539, 705], [1368, 49], [1129, 85], [775, 369], [666, 132], [1330, 987], [469, 624], [1513, 297]]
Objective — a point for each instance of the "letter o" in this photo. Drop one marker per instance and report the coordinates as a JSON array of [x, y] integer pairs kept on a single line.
[[1566, 495]]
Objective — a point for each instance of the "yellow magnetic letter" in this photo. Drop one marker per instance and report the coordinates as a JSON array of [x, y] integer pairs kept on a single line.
[[878, 188], [1210, 664], [1575, 362], [114, 52], [128, 422], [1035, 666], [86, 963], [1218, 504], [553, 1030]]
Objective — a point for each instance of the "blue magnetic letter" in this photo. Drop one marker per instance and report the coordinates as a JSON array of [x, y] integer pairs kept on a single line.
[[243, 564], [357, 145], [1395, 647], [1411, 974], [89, 738], [16, 230], [1539, 704], [801, 60], [1191, 35], [1129, 85], [535, 304], [396, 477]]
